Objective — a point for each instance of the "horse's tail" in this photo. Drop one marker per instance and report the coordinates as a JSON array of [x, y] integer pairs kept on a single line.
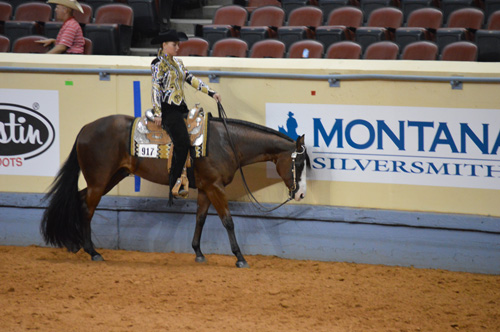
[[62, 223]]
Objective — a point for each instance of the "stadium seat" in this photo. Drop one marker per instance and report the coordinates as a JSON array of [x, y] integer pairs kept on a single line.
[[383, 50], [301, 24], [344, 50], [381, 26], [111, 32], [341, 25], [490, 6], [85, 17], [28, 20], [4, 44], [27, 44], [290, 5], [420, 50], [230, 47], [488, 44], [460, 51], [251, 5], [5, 14], [226, 23], [461, 26], [194, 46], [5, 11], [87, 47], [449, 6], [422, 25], [146, 20], [408, 6], [263, 24], [368, 6], [15, 3], [298, 49], [327, 6], [95, 4], [268, 48], [52, 28], [494, 21]]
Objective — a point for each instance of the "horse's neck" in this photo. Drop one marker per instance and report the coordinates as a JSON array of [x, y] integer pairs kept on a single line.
[[256, 146]]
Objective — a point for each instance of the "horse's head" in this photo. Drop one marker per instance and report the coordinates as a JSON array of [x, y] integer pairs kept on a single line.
[[292, 170]]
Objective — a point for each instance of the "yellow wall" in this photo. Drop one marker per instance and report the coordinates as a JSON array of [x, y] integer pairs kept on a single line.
[[245, 98]]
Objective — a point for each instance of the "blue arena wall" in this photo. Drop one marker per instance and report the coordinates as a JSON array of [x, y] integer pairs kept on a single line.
[[325, 233]]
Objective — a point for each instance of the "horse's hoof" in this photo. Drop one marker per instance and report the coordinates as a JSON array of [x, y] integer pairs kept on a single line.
[[242, 264], [97, 258], [200, 259]]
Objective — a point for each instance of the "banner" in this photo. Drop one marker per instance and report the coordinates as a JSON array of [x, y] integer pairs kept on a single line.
[[448, 147], [29, 132]]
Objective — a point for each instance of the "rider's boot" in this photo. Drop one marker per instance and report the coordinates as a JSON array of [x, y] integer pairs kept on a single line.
[[183, 181]]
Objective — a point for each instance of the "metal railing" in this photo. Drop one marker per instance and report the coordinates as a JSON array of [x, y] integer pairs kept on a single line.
[[214, 75]]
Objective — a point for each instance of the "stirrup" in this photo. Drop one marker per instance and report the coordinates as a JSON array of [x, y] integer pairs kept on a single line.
[[182, 181]]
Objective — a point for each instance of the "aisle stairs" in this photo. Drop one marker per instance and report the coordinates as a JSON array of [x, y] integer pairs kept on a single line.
[[184, 20]]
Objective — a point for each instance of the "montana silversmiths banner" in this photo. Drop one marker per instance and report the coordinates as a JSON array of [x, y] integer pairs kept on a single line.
[[447, 147], [29, 132]]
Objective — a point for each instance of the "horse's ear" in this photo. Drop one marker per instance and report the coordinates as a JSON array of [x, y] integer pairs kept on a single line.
[[301, 141]]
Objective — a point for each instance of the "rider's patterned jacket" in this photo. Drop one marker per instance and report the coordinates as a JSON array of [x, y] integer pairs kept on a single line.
[[169, 75]]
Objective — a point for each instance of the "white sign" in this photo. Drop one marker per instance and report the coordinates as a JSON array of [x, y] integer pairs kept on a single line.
[[449, 147], [147, 150], [29, 132]]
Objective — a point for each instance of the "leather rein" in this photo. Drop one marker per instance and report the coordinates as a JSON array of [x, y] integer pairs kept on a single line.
[[253, 200]]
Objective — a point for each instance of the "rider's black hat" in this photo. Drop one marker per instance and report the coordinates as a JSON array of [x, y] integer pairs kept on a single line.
[[169, 35]]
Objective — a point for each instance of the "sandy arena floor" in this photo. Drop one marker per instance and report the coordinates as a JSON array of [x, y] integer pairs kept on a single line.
[[46, 289]]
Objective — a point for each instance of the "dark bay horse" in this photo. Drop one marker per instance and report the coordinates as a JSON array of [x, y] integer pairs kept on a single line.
[[101, 152]]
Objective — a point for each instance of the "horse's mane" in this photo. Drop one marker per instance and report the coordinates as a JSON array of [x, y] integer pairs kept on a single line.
[[254, 126]]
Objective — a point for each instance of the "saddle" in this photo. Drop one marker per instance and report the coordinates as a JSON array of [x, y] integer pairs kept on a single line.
[[151, 141]]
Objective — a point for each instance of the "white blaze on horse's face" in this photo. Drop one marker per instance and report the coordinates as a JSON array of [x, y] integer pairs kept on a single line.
[[301, 193]]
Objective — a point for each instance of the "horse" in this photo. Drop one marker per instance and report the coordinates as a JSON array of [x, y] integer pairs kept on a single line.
[[102, 153]]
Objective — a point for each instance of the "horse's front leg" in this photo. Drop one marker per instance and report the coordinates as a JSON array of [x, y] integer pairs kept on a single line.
[[201, 216], [217, 196]]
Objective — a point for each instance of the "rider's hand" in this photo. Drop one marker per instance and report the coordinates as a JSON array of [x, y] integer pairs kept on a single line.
[[158, 120], [217, 97]]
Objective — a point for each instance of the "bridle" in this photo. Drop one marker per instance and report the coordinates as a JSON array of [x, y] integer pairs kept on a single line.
[[253, 200], [294, 170]]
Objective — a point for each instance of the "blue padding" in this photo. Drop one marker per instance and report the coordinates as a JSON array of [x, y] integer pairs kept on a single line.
[[137, 113]]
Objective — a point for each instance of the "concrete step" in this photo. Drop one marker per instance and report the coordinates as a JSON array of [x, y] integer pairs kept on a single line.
[[219, 2], [187, 25], [205, 12], [143, 51]]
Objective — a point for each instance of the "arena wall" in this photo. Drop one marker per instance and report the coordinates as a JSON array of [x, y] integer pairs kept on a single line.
[[448, 219]]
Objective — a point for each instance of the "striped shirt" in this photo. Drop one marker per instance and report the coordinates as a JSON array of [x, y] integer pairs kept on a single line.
[[71, 36]]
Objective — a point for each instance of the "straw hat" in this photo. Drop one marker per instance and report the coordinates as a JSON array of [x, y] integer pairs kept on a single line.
[[73, 4]]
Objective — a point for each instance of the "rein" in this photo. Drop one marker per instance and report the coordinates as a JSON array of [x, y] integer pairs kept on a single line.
[[253, 200]]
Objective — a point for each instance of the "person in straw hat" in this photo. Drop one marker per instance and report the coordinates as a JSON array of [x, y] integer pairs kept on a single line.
[[169, 106], [70, 38]]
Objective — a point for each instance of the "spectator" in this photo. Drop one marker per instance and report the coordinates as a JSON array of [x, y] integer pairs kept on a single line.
[[70, 38]]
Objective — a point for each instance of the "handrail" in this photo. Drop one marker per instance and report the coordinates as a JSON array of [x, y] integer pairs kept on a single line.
[[214, 75]]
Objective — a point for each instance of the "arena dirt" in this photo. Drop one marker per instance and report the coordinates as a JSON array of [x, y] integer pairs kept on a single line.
[[47, 289]]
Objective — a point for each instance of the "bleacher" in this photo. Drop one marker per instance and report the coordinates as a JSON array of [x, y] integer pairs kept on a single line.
[[457, 30]]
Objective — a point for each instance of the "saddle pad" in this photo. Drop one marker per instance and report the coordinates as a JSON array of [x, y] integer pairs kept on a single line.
[[150, 141]]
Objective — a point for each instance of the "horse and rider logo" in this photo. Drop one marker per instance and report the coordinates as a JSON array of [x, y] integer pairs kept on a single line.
[[291, 127]]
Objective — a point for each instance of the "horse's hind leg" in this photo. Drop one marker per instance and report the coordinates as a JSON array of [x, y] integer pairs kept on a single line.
[[92, 197], [201, 216], [91, 201]]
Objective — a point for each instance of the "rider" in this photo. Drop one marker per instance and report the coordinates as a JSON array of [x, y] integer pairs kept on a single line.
[[169, 107]]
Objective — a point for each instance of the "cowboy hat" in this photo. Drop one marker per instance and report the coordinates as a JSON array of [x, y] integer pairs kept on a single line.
[[73, 4], [170, 35]]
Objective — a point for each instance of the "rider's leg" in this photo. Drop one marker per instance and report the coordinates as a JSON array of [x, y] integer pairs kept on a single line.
[[173, 123]]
